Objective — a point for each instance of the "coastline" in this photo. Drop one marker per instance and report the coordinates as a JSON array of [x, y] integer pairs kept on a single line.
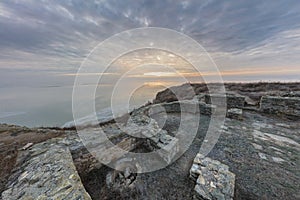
[[14, 138]]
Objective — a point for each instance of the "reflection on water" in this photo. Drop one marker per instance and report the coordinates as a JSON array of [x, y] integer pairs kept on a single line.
[[33, 106], [52, 106]]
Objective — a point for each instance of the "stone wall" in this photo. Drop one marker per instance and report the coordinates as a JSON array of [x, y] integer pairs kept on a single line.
[[46, 171], [157, 139], [280, 105], [83, 158], [49, 170], [228, 99], [182, 107]]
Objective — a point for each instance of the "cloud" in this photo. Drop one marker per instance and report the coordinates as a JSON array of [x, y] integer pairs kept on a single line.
[[86, 74], [57, 34]]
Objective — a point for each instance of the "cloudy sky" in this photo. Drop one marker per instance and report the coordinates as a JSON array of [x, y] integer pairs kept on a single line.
[[251, 37], [43, 43]]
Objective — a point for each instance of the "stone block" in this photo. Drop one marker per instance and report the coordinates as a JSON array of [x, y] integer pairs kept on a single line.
[[213, 179], [235, 113]]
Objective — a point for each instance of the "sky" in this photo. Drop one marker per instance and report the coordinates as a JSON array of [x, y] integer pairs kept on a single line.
[[43, 43], [256, 38]]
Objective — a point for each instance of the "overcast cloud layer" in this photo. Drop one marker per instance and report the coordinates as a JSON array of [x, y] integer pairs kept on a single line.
[[56, 35]]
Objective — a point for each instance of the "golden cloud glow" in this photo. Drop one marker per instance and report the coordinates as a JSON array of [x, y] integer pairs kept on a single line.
[[160, 74], [242, 72], [151, 56], [203, 74], [159, 83]]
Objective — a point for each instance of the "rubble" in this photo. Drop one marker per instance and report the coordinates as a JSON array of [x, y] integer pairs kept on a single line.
[[213, 179]]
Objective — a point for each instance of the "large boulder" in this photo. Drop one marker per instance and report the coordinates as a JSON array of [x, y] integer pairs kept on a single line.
[[176, 93]]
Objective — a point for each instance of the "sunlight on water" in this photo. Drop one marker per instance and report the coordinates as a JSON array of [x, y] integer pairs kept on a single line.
[[52, 106]]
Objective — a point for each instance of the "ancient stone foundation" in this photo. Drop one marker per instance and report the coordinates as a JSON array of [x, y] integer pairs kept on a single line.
[[228, 99], [280, 105], [184, 107]]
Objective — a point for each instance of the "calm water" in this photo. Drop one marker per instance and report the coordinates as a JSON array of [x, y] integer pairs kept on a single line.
[[44, 99], [52, 106]]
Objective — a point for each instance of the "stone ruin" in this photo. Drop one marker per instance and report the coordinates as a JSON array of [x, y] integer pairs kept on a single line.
[[38, 177], [232, 100], [46, 170], [288, 106], [213, 179], [278, 105], [234, 103]]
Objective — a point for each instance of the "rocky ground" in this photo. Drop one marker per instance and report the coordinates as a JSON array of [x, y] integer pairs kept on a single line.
[[12, 139], [172, 182], [262, 151], [260, 148], [253, 91]]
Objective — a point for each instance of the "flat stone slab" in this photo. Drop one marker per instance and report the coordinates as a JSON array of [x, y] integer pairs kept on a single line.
[[46, 171], [213, 179], [235, 113]]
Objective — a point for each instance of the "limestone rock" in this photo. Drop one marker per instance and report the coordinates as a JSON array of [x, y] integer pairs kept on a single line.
[[157, 138], [46, 171], [235, 113], [281, 105], [251, 102], [186, 106], [229, 99], [213, 179], [27, 146], [186, 91]]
